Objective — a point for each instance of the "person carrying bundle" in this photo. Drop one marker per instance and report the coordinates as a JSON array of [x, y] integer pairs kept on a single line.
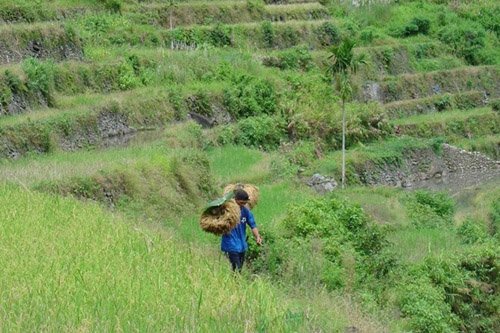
[[234, 243]]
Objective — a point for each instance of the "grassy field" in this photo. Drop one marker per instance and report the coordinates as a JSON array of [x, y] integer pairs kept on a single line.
[[99, 232]]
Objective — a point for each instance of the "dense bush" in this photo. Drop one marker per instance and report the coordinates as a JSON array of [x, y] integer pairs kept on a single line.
[[262, 132], [341, 246], [453, 293], [268, 34], [297, 57], [430, 209], [328, 34], [221, 36], [472, 231], [40, 78], [495, 105], [466, 40], [249, 96], [418, 25]]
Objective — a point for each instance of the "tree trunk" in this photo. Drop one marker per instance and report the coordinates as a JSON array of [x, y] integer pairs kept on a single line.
[[343, 143], [171, 27]]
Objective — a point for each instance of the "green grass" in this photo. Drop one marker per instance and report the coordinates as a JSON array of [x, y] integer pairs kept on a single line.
[[69, 266], [232, 164], [57, 166], [413, 245], [442, 117]]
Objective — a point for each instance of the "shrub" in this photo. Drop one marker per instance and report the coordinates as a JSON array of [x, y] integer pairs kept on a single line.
[[346, 245], [430, 209], [221, 36], [262, 132], [328, 34], [495, 105], [40, 78], [199, 103], [466, 40], [425, 306], [295, 58], [418, 25], [288, 37], [472, 231], [127, 78], [249, 96], [268, 34], [114, 6]]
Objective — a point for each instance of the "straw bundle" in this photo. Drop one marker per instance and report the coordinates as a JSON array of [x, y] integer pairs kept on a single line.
[[221, 219], [252, 190]]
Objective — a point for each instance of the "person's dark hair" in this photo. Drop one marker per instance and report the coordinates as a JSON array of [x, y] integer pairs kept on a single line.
[[240, 195]]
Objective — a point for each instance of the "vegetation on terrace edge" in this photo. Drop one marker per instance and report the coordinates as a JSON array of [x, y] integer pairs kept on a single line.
[[267, 80]]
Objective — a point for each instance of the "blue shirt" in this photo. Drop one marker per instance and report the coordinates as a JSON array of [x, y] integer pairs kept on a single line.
[[235, 240]]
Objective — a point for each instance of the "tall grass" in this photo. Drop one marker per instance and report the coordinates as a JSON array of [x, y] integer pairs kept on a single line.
[[233, 164], [57, 166], [67, 266]]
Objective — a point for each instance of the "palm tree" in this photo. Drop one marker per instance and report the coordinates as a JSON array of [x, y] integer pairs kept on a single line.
[[344, 63], [171, 4]]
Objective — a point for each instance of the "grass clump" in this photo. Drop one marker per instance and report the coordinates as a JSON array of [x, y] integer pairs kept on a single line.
[[436, 295], [430, 209], [338, 239], [157, 188]]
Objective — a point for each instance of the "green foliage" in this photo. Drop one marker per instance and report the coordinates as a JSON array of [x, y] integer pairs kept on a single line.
[[297, 57], [302, 153], [328, 34], [344, 63], [443, 294], [466, 40], [495, 105], [425, 306], [344, 248], [249, 96], [40, 78], [114, 6], [263, 132], [430, 209], [418, 25], [472, 231], [437, 145], [268, 34], [220, 36]]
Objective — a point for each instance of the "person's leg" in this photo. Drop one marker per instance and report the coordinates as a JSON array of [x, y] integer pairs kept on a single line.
[[241, 261], [234, 258]]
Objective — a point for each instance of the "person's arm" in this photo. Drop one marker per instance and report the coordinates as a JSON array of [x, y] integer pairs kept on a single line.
[[256, 235], [253, 226]]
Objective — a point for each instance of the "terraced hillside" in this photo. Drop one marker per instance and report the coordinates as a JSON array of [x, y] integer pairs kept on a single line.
[[150, 107]]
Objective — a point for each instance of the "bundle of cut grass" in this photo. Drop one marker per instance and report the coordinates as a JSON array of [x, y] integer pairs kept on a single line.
[[252, 190], [221, 219]]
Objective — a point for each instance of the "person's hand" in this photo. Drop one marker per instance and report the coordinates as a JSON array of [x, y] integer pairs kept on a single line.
[[258, 240]]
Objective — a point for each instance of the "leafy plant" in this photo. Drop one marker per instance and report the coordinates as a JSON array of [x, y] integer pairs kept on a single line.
[[343, 65], [466, 40], [472, 231], [249, 96], [328, 34], [430, 209], [268, 34]]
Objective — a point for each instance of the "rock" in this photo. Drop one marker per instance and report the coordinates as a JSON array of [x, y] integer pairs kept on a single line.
[[452, 168], [372, 92], [322, 184]]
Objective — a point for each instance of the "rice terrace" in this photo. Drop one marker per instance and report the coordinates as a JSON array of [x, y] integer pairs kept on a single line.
[[359, 140]]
